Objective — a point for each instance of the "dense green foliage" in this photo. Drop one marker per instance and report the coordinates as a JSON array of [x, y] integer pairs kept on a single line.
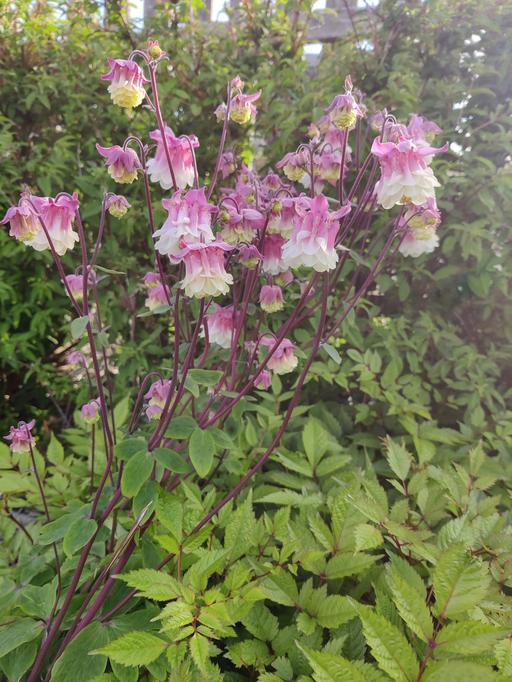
[[376, 544]]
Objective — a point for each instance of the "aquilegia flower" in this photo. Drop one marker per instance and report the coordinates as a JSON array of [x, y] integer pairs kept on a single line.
[[420, 223], [241, 109], [157, 294], [76, 284], [271, 298], [240, 226], [283, 359], [406, 177], [220, 323], [122, 164], [23, 221], [344, 110], [272, 252], [90, 412], [58, 216], [157, 397], [249, 256], [205, 272], [189, 219], [313, 240], [20, 437], [263, 380], [117, 205], [282, 217], [180, 154], [127, 86]]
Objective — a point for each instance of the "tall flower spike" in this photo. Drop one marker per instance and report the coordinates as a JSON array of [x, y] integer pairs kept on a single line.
[[205, 272], [189, 219], [58, 216], [127, 83], [122, 164], [181, 156]]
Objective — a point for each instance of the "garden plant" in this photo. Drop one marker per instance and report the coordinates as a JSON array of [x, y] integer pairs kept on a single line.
[[210, 524]]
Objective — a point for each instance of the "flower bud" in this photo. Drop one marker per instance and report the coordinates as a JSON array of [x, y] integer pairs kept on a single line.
[[90, 412]]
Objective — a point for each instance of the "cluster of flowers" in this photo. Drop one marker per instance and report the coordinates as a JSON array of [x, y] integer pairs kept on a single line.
[[266, 225]]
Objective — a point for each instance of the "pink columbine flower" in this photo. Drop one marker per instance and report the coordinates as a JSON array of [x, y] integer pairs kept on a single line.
[[90, 412], [240, 226], [344, 111], [271, 298], [127, 86], [284, 278], [76, 357], [189, 219], [242, 108], [294, 165], [205, 272], [406, 177], [152, 279], [272, 252], [20, 437], [117, 205], [24, 223], [282, 217], [420, 223], [227, 164], [76, 284], [313, 241], [283, 359], [122, 164], [58, 216], [263, 380], [420, 128], [220, 325], [157, 397], [180, 154], [157, 294], [249, 256]]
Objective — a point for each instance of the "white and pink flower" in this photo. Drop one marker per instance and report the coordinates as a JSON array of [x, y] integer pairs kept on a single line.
[[205, 272], [271, 298], [344, 111], [272, 253], [58, 216], [117, 205], [420, 223], [76, 284], [240, 226], [24, 224], [220, 323], [122, 164], [313, 240], [90, 412], [249, 256], [189, 219], [180, 155], [263, 380], [127, 83], [20, 437], [283, 359], [157, 397]]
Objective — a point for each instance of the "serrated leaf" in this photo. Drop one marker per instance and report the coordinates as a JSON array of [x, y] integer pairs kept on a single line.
[[503, 653], [280, 587], [333, 611], [133, 649], [316, 440], [55, 451], [201, 449], [152, 584], [459, 582], [399, 459], [330, 668], [389, 647], [169, 511], [367, 537], [348, 563], [469, 637], [199, 650], [411, 606], [261, 623]]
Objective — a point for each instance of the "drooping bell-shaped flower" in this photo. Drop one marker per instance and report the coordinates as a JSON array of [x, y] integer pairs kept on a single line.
[[157, 396], [127, 83], [156, 290], [240, 226], [420, 223], [271, 298], [294, 165], [180, 155], [283, 359], [344, 111], [241, 109], [227, 164], [406, 177], [220, 323], [283, 215], [421, 129], [272, 252], [117, 205], [90, 412], [249, 256], [189, 219], [58, 216], [313, 241], [76, 284], [122, 164], [263, 380], [24, 223], [20, 437], [205, 272]]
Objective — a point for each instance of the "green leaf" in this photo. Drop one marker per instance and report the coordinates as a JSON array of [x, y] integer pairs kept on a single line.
[[334, 610], [201, 449], [316, 440], [280, 587], [181, 428], [469, 637], [411, 605], [169, 511], [205, 377], [389, 647], [459, 671], [134, 648], [129, 447], [78, 326], [330, 668], [55, 451], [503, 653], [331, 352], [199, 650], [17, 633], [348, 563], [75, 663], [136, 472], [172, 460], [56, 530], [460, 582], [399, 459], [152, 584], [78, 535]]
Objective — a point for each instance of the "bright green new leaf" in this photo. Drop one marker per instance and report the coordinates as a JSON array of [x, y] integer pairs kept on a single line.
[[134, 648]]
